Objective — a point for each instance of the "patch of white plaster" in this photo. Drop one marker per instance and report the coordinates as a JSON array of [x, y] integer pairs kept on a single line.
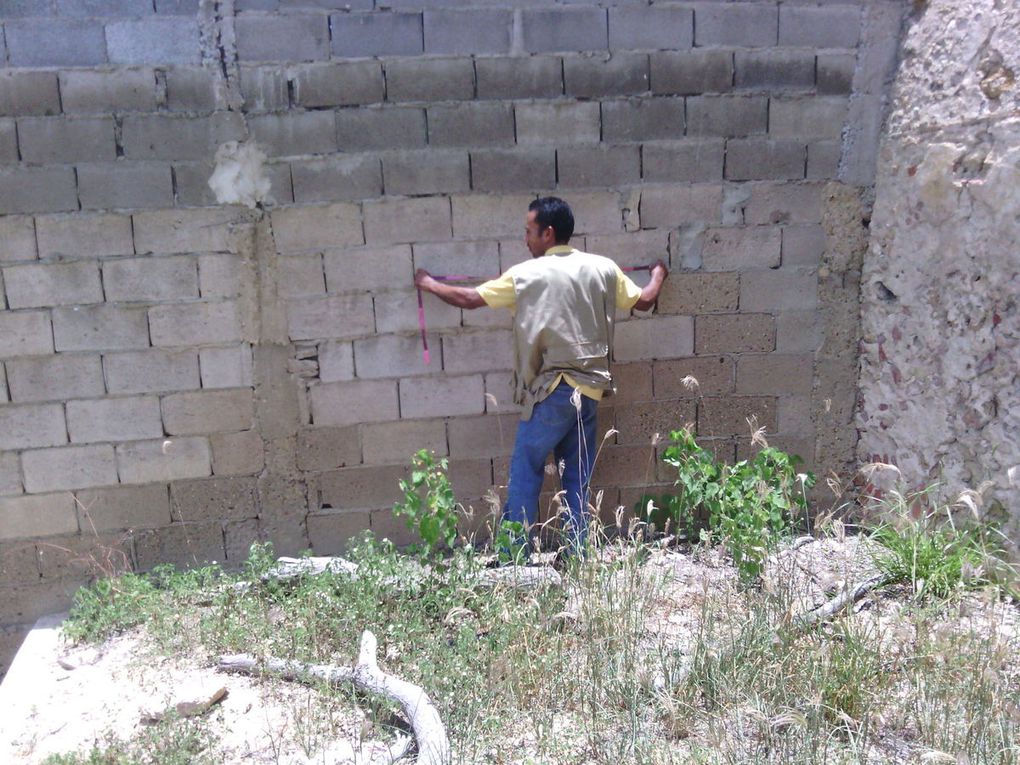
[[240, 175]]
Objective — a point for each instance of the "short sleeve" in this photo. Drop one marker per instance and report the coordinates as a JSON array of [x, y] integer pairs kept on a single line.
[[627, 292], [499, 292]]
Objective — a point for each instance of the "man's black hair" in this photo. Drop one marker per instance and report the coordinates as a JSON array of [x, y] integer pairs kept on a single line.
[[554, 212]]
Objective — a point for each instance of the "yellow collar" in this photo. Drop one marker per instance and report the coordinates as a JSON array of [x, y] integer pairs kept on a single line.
[[559, 249]]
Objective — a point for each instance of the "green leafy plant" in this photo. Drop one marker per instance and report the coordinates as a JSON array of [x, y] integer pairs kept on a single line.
[[510, 542], [429, 507], [109, 606]]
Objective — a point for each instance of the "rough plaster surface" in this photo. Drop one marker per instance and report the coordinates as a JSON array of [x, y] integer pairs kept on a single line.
[[940, 319]]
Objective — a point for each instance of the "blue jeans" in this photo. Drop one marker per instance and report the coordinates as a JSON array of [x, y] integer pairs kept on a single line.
[[559, 427]]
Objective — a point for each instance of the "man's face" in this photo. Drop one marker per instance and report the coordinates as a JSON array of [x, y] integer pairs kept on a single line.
[[536, 238]]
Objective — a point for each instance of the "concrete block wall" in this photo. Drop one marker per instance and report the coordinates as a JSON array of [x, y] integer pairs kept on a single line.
[[180, 376]]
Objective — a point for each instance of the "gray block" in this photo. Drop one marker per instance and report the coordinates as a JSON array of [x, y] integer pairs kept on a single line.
[[177, 7], [158, 136], [643, 119], [25, 333], [291, 38], [17, 239], [750, 25], [171, 40], [104, 8], [692, 73], [25, 93], [531, 77], [91, 236], [417, 79], [468, 32], [731, 116], [39, 285], [471, 124], [37, 189], [750, 159], [338, 84], [264, 88], [775, 69], [836, 73], [8, 141], [119, 90], [598, 166], [151, 371], [513, 170], [55, 42], [823, 159], [809, 117], [16, 9], [193, 89], [565, 29], [376, 34], [336, 179], [693, 160], [191, 183], [100, 328], [557, 123], [391, 127], [150, 279], [593, 76], [125, 185], [397, 221], [55, 377], [820, 27], [294, 133], [56, 140], [434, 171], [654, 28]]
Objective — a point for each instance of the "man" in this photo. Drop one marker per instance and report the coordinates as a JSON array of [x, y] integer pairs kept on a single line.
[[564, 303]]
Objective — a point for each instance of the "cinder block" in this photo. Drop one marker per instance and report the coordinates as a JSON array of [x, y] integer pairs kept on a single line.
[[216, 411], [565, 29], [55, 377], [368, 268], [480, 259], [330, 532], [150, 279], [519, 77], [712, 376], [558, 123], [834, 26], [750, 25], [94, 8], [39, 285], [224, 276], [10, 473], [494, 215], [636, 248], [775, 375], [784, 203], [395, 442], [407, 220], [803, 245], [159, 136], [226, 367], [430, 79], [300, 229], [734, 333], [55, 42], [84, 235], [151, 371], [672, 206], [484, 124], [191, 183], [342, 316], [692, 161], [336, 178], [37, 190], [697, 293], [477, 352], [387, 127], [186, 545], [171, 231], [799, 332], [336, 361], [321, 449], [349, 403], [771, 70], [239, 536], [41, 515], [440, 397], [823, 159], [654, 28], [645, 423], [398, 312], [783, 290], [376, 34], [25, 92], [513, 169], [19, 563], [729, 416], [288, 134], [731, 116], [360, 487], [338, 84], [392, 356], [25, 333], [125, 185], [433, 171], [114, 419], [17, 238], [762, 159], [300, 275], [742, 248], [163, 460], [654, 338], [8, 141], [101, 92], [34, 426], [598, 212], [820, 117], [622, 74], [154, 41], [68, 467], [194, 324], [468, 32], [264, 88], [692, 72], [643, 119], [194, 89], [213, 499], [237, 453], [294, 37], [488, 436]]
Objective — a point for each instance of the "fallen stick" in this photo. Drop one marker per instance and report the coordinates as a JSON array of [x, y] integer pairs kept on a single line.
[[429, 733], [832, 607]]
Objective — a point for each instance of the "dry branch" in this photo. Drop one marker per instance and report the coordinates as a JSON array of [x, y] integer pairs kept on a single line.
[[832, 607]]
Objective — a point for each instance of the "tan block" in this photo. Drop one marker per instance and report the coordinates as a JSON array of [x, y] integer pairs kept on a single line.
[[208, 411], [470, 479], [784, 203], [37, 515], [27, 602], [799, 446], [734, 333], [386, 525], [191, 230], [368, 268], [312, 227], [741, 248], [782, 290], [694, 293], [238, 537], [348, 403], [641, 339], [123, 507], [729, 416], [488, 436], [79, 235], [396, 442], [186, 545], [164, 460], [441, 397], [328, 448], [287, 533], [221, 499], [775, 374], [633, 382], [714, 375], [69, 467], [625, 466], [359, 487], [237, 453], [19, 563], [642, 423], [329, 533], [85, 556]]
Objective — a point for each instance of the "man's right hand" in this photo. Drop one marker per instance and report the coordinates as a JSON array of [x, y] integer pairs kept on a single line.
[[422, 278], [661, 267]]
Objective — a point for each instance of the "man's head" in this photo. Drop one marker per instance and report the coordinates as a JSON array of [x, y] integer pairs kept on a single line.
[[550, 222]]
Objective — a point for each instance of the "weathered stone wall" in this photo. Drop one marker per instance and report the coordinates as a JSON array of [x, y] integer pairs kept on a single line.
[[941, 322], [180, 376]]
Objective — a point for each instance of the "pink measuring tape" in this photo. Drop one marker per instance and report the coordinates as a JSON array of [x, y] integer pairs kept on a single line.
[[466, 278]]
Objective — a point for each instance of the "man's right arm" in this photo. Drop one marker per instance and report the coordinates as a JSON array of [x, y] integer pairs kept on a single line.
[[462, 297], [650, 292]]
